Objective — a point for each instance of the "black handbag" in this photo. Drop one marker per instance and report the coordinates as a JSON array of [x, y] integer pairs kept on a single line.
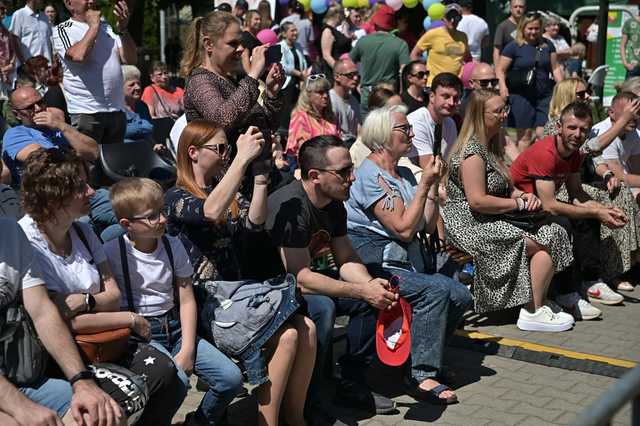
[[527, 221], [520, 81]]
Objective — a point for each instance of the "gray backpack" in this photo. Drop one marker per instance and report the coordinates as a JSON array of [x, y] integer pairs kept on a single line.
[[23, 358]]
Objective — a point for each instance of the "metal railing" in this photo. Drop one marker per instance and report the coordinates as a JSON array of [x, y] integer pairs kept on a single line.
[[626, 389]]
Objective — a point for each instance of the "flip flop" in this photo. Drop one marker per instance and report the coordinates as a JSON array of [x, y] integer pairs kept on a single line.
[[433, 395]]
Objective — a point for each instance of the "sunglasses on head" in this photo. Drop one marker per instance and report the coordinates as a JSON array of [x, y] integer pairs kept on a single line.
[[314, 77]]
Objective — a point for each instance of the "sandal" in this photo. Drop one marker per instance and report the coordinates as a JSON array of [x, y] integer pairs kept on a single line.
[[446, 376], [432, 395]]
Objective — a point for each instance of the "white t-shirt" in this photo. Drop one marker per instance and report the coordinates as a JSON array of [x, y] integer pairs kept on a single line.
[[34, 32], [18, 270], [476, 29], [150, 274], [76, 273], [423, 129], [95, 85], [620, 149]]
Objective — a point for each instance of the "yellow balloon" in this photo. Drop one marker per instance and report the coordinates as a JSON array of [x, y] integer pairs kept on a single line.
[[410, 3], [351, 4], [436, 11], [306, 4], [363, 3]]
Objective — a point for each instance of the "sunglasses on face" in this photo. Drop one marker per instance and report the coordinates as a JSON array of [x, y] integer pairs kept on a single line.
[[350, 75], [505, 110], [40, 103], [420, 74], [583, 94], [488, 83], [220, 148], [343, 173]]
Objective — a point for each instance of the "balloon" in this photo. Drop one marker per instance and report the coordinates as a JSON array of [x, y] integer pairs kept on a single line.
[[436, 11], [363, 3], [394, 4], [267, 36], [372, 2], [427, 3], [436, 24], [306, 4], [319, 6], [426, 23], [410, 3], [283, 2], [350, 3]]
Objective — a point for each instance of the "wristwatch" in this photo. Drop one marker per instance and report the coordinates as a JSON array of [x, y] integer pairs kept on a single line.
[[83, 375], [90, 302]]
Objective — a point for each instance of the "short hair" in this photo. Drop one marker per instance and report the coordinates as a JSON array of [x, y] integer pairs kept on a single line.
[[624, 96], [132, 196], [224, 7], [313, 153], [130, 72], [377, 127], [158, 66], [551, 20], [49, 180], [379, 96], [578, 109], [448, 80]]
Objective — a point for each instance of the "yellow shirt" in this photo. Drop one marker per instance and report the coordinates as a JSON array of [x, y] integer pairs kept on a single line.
[[446, 51]]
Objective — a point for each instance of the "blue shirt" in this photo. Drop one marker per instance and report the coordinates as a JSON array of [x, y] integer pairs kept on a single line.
[[17, 138], [139, 126], [524, 58], [366, 191]]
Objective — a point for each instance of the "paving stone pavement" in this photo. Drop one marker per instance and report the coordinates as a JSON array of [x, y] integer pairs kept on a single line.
[[494, 390]]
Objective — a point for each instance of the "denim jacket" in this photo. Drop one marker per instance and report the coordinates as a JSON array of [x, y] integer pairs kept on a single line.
[[288, 62]]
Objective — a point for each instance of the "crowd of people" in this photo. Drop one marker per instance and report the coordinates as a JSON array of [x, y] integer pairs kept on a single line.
[[343, 167]]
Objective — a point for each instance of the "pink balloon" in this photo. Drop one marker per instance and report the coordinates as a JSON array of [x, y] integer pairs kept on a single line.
[[394, 4], [268, 37]]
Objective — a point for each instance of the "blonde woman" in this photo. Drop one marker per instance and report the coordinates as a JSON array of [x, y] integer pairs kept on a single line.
[[513, 267], [523, 71], [312, 116]]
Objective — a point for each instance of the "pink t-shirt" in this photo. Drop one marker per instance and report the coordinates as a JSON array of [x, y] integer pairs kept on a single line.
[[304, 126]]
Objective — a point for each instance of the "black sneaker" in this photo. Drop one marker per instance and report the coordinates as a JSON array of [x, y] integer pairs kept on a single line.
[[357, 395]]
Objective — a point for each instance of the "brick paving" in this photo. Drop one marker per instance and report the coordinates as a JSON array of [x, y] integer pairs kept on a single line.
[[499, 391]]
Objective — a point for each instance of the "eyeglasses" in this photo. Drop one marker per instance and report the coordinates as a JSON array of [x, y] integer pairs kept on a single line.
[[505, 110], [420, 74], [343, 173], [220, 148], [314, 77], [350, 75], [152, 219], [407, 129], [40, 103], [487, 82]]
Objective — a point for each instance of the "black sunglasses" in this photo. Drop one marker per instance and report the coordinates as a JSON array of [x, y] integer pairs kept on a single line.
[[487, 82], [350, 75], [420, 74], [40, 102], [344, 173], [582, 94]]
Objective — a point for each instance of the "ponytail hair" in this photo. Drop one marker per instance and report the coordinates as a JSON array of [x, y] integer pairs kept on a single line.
[[212, 25]]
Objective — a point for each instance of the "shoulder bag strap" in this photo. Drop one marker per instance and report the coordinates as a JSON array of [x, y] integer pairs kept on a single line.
[[125, 272], [167, 247], [164, 107], [83, 239]]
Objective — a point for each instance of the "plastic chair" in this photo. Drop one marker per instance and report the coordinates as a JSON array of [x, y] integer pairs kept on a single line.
[[122, 160], [161, 129], [596, 81]]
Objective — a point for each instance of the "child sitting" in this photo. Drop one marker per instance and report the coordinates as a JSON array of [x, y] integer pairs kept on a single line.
[[154, 275], [573, 65]]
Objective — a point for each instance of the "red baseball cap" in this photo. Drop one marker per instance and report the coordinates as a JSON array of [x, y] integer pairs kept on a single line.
[[393, 334]]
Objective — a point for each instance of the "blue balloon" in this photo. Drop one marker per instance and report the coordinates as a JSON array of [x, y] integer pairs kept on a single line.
[[319, 6], [426, 23], [427, 3]]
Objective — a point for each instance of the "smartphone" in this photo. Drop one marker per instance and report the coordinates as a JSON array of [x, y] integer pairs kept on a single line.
[[437, 140], [274, 54], [394, 283]]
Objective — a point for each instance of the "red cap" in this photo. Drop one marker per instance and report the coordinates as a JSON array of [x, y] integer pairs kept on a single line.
[[384, 18], [393, 334]]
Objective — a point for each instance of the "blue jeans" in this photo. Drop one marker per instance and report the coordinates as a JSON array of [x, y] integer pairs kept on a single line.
[[55, 394], [360, 335], [212, 366], [438, 304]]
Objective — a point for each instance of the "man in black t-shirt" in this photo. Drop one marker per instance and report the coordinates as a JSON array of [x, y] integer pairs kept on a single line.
[[307, 222]]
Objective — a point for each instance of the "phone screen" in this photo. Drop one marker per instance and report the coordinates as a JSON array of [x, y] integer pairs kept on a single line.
[[274, 54]]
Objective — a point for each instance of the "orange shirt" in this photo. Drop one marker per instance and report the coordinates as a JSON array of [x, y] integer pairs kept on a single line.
[[162, 102]]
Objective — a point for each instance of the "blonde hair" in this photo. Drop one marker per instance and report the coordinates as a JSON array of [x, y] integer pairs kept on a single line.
[[563, 94], [473, 128], [579, 49], [524, 21], [212, 25], [377, 127], [630, 85], [304, 104], [132, 196]]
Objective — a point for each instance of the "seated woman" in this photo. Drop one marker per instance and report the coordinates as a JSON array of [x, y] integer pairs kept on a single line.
[[163, 99], [54, 194], [208, 213], [139, 127], [312, 116], [619, 245], [385, 211], [512, 267]]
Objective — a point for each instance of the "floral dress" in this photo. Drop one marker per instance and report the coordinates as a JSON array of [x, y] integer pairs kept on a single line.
[[616, 245], [502, 279]]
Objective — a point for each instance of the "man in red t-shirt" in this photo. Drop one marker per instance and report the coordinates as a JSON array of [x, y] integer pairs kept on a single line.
[[554, 160]]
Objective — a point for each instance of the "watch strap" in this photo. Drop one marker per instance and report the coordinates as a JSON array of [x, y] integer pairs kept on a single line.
[[83, 375]]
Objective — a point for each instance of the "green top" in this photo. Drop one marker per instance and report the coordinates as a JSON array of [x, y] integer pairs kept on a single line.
[[631, 29], [380, 56]]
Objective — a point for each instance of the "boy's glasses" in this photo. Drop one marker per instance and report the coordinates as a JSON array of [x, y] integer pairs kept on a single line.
[[152, 219]]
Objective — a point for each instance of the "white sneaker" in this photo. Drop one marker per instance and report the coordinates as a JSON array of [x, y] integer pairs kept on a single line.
[[557, 309], [543, 320], [624, 286], [600, 292], [578, 307]]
